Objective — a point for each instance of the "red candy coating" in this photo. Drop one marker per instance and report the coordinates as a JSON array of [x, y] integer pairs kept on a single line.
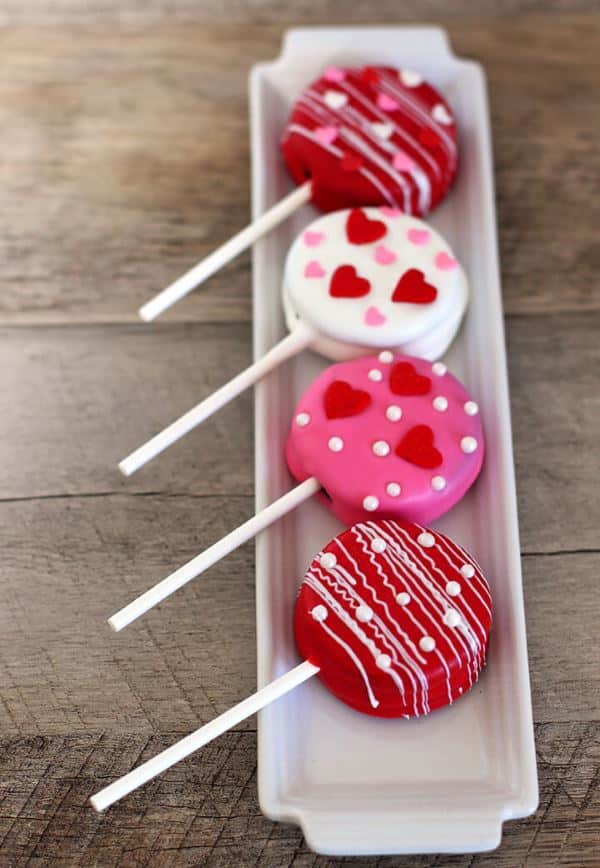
[[372, 136], [396, 616]]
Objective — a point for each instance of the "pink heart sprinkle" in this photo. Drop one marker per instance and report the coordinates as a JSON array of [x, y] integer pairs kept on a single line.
[[403, 162], [445, 262], [334, 73], [386, 102], [374, 317], [383, 255], [326, 135], [418, 236], [314, 269], [390, 212], [313, 239]]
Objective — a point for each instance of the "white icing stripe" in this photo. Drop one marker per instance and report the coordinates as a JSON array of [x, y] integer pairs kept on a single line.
[[454, 602], [323, 115], [462, 557], [399, 131], [374, 702], [375, 625], [379, 627], [425, 590], [406, 611], [417, 591], [362, 170], [392, 86], [350, 596], [447, 602]]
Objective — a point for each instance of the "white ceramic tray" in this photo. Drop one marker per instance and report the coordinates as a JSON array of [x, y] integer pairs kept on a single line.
[[359, 785]]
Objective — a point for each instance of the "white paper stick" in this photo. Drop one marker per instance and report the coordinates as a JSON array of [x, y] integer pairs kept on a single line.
[[224, 254], [181, 749], [219, 550], [294, 343]]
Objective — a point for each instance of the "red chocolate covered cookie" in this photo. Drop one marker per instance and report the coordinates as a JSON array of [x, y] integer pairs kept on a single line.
[[396, 617]]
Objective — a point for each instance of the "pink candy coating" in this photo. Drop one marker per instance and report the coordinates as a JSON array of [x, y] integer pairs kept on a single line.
[[354, 455]]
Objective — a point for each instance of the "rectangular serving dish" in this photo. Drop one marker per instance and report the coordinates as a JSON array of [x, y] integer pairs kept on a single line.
[[355, 784]]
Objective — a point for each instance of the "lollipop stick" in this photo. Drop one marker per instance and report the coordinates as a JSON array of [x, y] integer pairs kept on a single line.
[[300, 338], [213, 554], [224, 254], [181, 749]]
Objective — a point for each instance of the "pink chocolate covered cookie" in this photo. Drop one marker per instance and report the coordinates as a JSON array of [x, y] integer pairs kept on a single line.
[[374, 135], [387, 436], [397, 618]]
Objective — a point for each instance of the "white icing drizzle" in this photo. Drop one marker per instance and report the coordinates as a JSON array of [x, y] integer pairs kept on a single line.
[[374, 702]]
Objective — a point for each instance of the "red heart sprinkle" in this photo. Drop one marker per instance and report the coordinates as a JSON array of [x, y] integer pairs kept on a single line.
[[361, 230], [351, 163], [417, 447], [412, 287], [345, 283], [404, 380], [341, 400]]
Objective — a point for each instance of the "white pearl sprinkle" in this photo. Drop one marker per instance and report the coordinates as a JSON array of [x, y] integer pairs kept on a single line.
[[375, 375], [381, 448], [303, 419], [370, 503], [319, 613], [427, 643], [384, 661], [427, 540], [403, 599], [467, 571], [393, 413], [440, 404], [468, 444], [438, 483], [336, 444], [386, 357], [453, 589], [452, 618], [378, 545], [439, 368], [364, 613], [393, 489], [471, 408], [328, 560]]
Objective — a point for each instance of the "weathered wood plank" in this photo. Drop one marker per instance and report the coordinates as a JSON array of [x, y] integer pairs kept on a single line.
[[91, 123], [205, 812], [75, 401]]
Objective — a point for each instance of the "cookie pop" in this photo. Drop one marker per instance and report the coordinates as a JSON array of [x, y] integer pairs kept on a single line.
[[386, 436], [354, 281], [355, 137], [394, 619]]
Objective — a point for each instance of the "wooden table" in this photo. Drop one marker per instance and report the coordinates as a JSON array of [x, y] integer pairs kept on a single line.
[[124, 159]]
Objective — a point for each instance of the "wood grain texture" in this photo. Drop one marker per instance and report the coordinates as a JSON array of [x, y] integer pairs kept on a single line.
[[125, 158], [87, 234]]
